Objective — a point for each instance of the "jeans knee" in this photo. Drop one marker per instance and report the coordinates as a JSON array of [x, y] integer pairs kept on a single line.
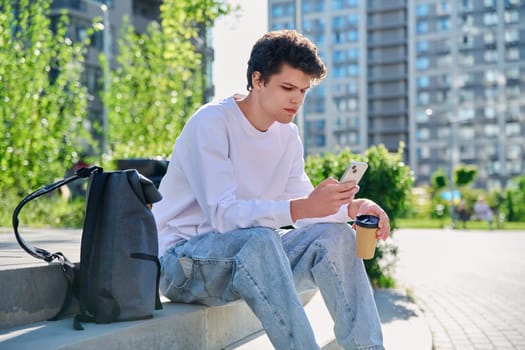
[[263, 236], [337, 236]]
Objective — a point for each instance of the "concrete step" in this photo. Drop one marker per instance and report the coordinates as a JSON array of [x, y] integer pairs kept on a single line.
[[31, 294], [177, 326]]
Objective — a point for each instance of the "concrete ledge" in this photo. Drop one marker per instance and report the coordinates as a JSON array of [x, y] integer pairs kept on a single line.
[[31, 294], [177, 326]]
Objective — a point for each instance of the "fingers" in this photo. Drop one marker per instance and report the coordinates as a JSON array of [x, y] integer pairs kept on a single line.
[[328, 181], [371, 208], [383, 226]]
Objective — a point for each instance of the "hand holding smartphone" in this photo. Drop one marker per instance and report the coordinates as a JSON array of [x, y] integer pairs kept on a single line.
[[354, 172]]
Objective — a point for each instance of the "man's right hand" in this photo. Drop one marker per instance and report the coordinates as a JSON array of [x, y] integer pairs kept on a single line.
[[324, 200]]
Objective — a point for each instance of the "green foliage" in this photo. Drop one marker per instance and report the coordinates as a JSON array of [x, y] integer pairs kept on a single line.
[[43, 103], [439, 180], [158, 82], [388, 182], [465, 175], [515, 200]]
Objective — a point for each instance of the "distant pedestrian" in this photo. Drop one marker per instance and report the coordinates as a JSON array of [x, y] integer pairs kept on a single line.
[[483, 211], [463, 213]]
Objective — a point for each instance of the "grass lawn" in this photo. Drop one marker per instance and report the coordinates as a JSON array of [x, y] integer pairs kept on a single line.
[[473, 225]]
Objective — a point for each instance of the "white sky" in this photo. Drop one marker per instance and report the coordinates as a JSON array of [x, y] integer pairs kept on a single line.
[[233, 38]]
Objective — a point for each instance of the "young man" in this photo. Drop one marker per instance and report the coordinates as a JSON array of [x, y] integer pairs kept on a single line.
[[235, 177]]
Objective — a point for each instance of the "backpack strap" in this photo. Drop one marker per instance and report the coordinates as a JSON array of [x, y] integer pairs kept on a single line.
[[68, 267], [36, 252]]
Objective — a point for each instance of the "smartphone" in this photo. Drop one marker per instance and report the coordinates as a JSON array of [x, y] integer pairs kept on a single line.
[[354, 172]]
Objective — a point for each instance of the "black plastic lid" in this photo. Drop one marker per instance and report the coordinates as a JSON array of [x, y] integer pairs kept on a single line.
[[368, 221]]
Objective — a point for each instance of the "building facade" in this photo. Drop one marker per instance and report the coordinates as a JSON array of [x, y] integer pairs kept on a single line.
[[443, 77], [468, 100]]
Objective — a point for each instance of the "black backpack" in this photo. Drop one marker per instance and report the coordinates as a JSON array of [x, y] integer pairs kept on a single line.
[[118, 275]]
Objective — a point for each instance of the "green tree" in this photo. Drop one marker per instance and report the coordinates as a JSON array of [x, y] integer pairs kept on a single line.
[[439, 180], [158, 82], [465, 175], [43, 104], [515, 199]]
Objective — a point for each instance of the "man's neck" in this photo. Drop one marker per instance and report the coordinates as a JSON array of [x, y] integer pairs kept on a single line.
[[252, 112]]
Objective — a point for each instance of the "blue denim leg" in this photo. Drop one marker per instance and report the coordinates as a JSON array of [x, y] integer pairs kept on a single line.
[[323, 255], [213, 269]]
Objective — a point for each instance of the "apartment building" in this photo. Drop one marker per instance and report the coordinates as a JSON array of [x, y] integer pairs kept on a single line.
[[468, 99], [444, 77]]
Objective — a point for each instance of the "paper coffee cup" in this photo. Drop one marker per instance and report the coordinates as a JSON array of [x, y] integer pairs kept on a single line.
[[366, 227]]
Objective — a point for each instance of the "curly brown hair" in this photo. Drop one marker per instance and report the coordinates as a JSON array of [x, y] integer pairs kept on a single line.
[[280, 47]]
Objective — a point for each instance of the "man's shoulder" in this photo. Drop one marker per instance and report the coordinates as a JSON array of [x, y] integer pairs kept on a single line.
[[214, 111]]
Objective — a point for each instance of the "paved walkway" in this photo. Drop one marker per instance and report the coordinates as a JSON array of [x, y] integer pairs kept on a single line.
[[470, 285]]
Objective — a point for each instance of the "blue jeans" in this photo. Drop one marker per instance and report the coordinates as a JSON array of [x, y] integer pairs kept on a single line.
[[267, 268]]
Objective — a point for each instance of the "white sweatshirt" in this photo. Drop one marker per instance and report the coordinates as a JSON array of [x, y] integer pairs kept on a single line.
[[224, 174]]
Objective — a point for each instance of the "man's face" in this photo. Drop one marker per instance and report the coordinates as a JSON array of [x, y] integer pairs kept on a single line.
[[283, 94]]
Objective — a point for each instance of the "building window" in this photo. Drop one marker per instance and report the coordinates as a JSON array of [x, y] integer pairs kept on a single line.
[[490, 56], [313, 6], [513, 152], [490, 3], [353, 53], [338, 72], [422, 63], [467, 21], [443, 7], [468, 152], [423, 98], [512, 36], [467, 5], [490, 18], [353, 70], [422, 46], [320, 140], [423, 152], [466, 114], [512, 92], [342, 4], [352, 36], [512, 54], [467, 133], [491, 130], [422, 134], [423, 81], [421, 27], [283, 10], [422, 10], [490, 112], [491, 93], [422, 116], [466, 95], [466, 59], [512, 16], [512, 129], [444, 24], [489, 38], [444, 60]]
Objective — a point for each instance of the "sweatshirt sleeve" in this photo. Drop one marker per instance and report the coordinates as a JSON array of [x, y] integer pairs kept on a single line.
[[299, 185], [203, 153]]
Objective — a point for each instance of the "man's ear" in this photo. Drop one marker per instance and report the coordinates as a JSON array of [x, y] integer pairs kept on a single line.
[[256, 80]]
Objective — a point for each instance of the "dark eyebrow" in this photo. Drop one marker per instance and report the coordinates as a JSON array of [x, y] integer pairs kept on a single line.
[[295, 86]]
